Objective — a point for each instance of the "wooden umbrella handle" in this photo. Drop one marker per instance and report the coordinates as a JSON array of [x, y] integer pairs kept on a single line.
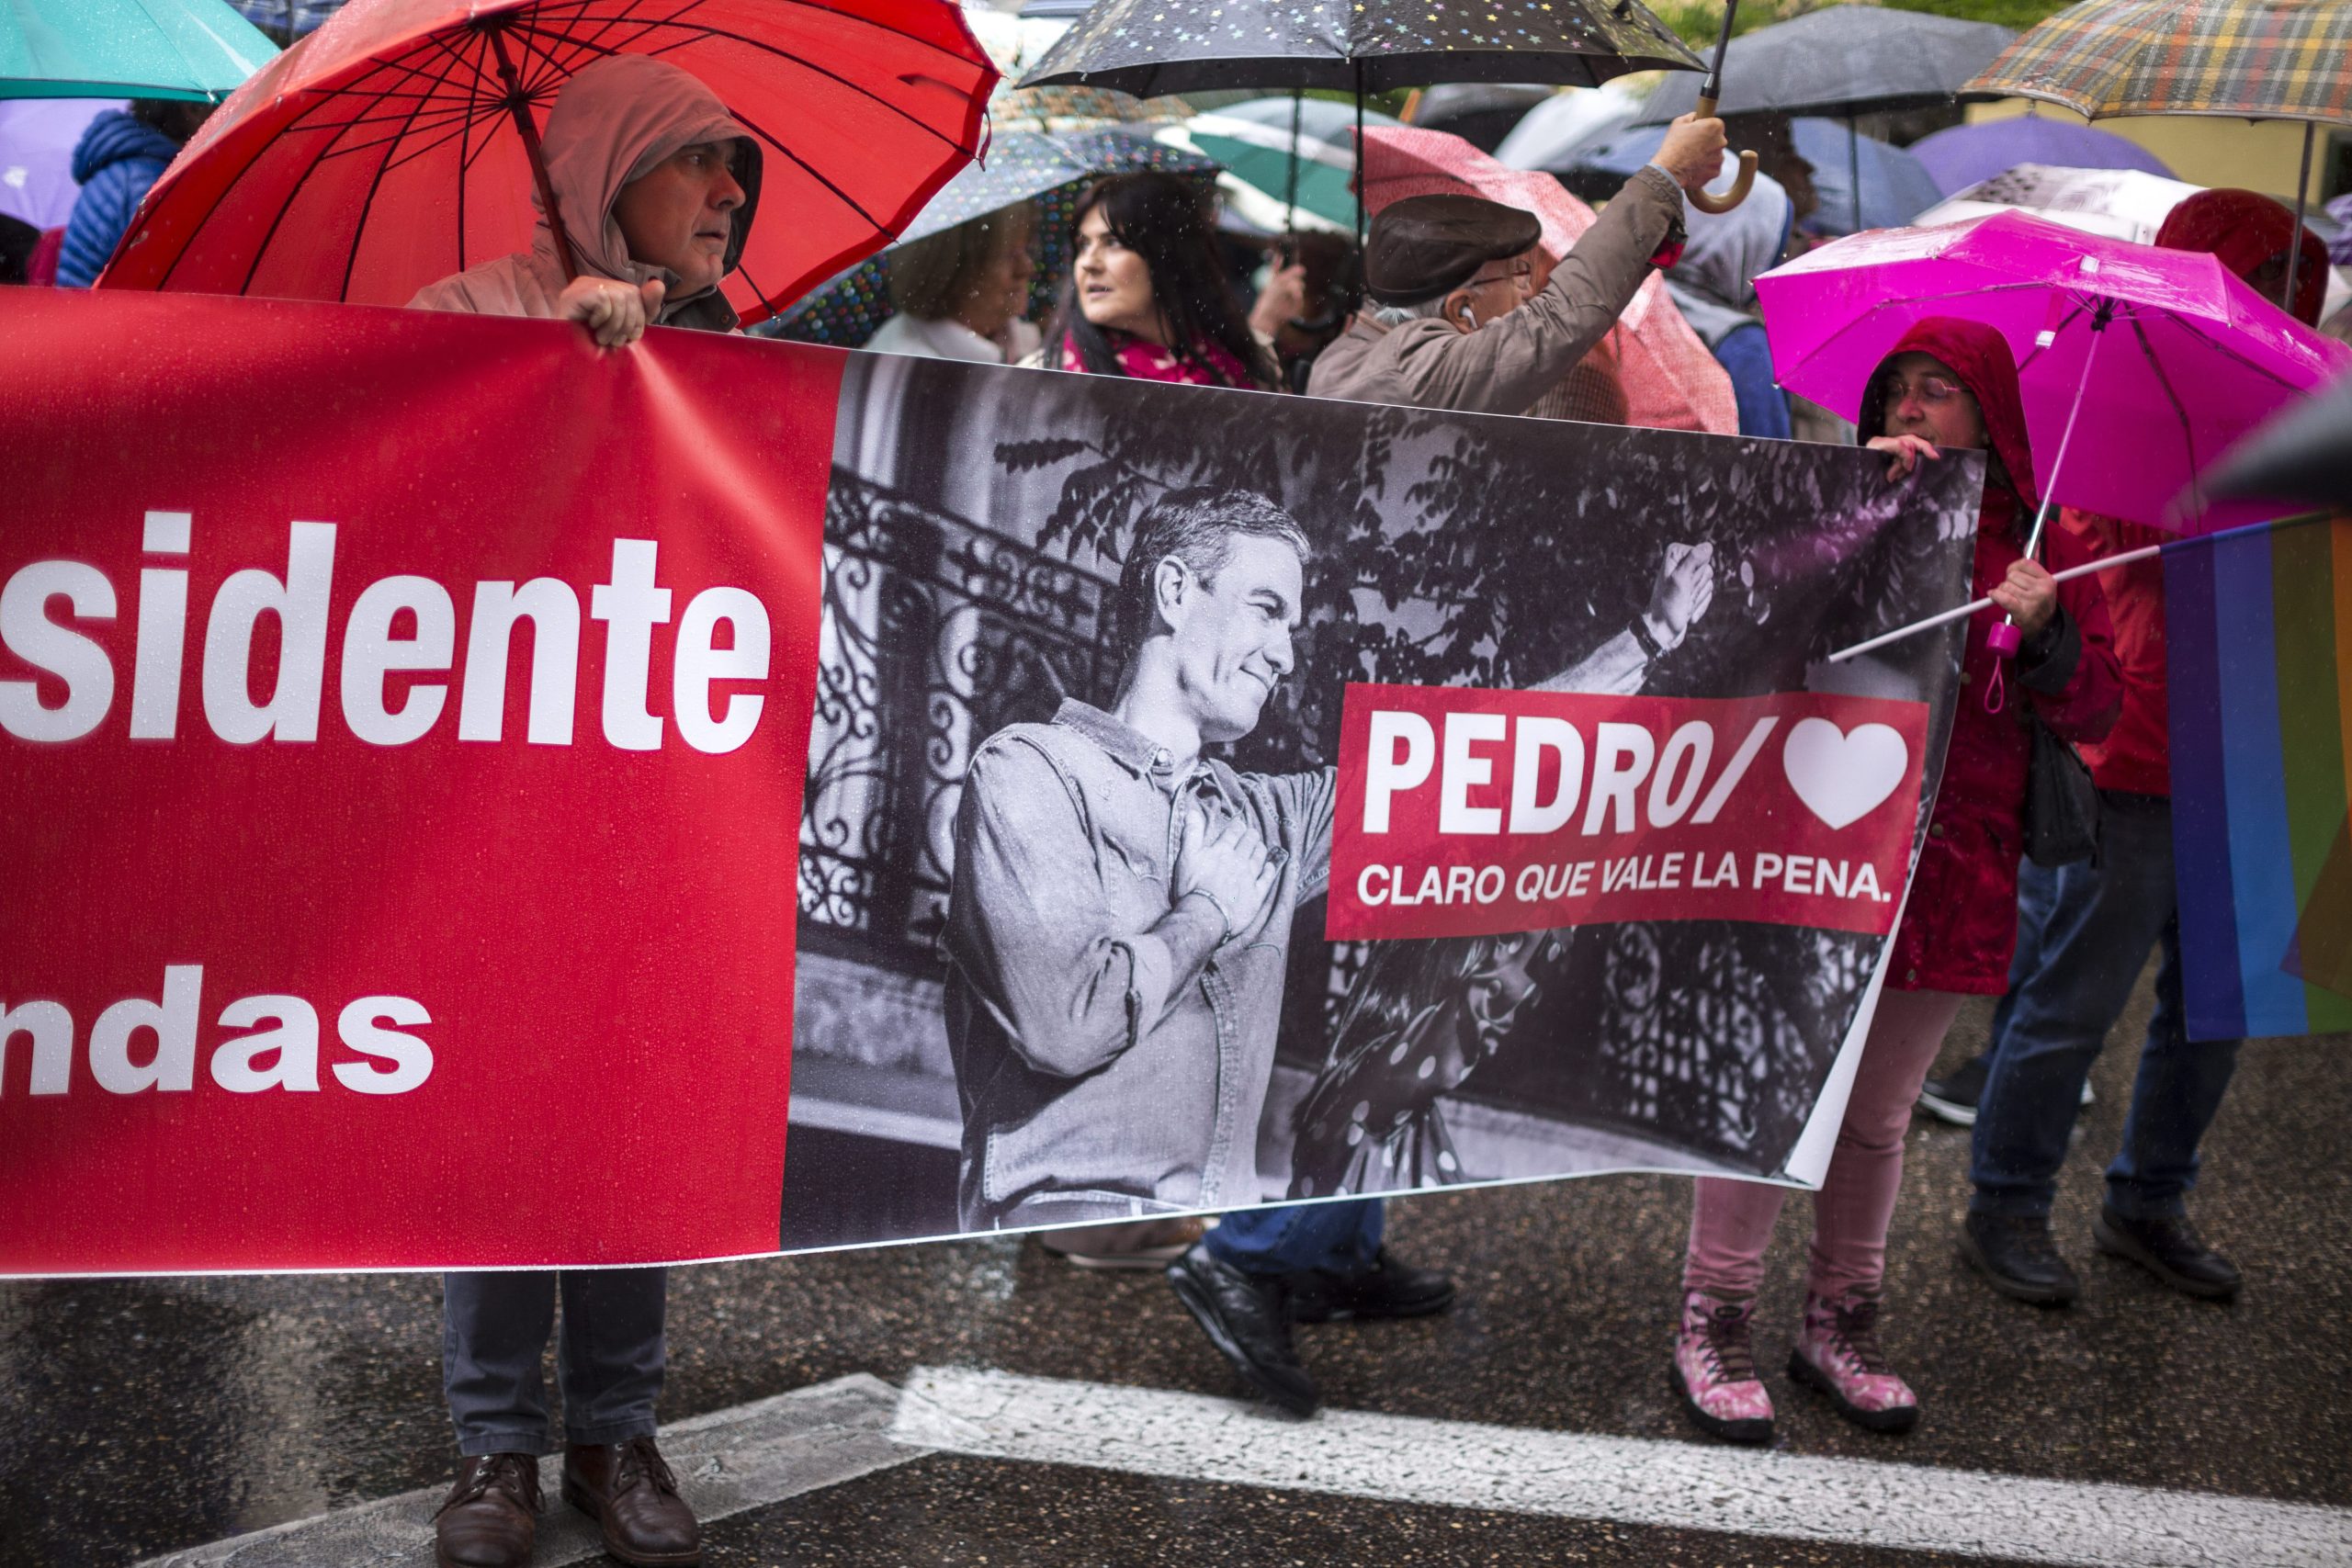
[[1707, 202]]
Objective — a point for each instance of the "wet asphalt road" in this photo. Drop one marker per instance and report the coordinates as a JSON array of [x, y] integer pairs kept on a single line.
[[151, 1414]]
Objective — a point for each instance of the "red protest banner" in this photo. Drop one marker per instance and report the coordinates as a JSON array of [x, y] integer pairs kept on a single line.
[[402, 718], [1464, 812]]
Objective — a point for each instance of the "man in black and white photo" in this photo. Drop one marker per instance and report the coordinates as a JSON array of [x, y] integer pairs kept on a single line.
[[1121, 906]]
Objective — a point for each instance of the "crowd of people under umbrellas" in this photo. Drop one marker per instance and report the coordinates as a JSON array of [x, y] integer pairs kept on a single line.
[[1451, 304]]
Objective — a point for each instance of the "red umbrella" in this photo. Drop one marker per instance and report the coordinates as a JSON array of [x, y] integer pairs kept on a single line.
[[398, 144]]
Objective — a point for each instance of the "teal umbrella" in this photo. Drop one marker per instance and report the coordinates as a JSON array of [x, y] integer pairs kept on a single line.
[[197, 49]]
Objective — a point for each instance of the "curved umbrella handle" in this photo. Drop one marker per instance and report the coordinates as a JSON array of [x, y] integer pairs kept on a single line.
[[1706, 201]]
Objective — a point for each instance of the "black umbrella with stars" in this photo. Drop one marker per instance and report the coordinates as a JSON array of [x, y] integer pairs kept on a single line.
[[1148, 47]]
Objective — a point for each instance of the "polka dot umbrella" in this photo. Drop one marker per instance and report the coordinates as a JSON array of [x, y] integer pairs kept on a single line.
[[1145, 47]]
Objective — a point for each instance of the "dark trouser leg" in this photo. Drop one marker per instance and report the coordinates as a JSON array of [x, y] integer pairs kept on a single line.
[[1339, 1237], [611, 1360], [2037, 892], [2102, 922], [493, 1330], [2174, 1098]]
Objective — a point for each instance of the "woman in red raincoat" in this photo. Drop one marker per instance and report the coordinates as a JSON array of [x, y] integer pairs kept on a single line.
[[1949, 384]]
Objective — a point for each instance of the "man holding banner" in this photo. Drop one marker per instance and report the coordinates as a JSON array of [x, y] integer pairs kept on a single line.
[[671, 182]]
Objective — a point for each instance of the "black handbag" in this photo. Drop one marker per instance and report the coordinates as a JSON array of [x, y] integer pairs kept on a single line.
[[2060, 802]]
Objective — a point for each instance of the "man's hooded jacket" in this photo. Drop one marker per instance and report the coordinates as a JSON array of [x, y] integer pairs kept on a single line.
[[612, 122]]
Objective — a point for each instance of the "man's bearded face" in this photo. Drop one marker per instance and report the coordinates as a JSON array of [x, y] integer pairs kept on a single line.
[[1233, 632]]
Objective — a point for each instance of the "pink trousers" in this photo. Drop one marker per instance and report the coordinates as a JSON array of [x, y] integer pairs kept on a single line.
[[1731, 1221]]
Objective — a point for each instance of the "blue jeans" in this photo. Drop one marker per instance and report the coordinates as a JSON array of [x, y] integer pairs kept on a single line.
[[2083, 933], [1337, 1237], [609, 1359]]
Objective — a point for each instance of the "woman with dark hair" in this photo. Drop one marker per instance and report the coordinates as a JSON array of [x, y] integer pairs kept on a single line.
[[1146, 295], [1949, 384]]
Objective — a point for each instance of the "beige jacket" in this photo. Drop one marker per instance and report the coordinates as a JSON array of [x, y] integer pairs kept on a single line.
[[612, 122], [1507, 364]]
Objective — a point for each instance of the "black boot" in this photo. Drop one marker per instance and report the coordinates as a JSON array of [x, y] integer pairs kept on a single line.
[[1387, 1289], [2168, 1247], [1246, 1318], [2014, 1252]]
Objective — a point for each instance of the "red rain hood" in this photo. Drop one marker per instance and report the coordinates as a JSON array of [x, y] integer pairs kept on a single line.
[[2242, 229], [1980, 356]]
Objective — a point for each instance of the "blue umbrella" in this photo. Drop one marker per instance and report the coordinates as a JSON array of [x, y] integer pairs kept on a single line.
[[1895, 187], [199, 50], [1960, 157]]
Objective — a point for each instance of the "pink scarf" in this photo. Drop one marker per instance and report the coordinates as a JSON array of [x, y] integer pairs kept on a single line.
[[1150, 362]]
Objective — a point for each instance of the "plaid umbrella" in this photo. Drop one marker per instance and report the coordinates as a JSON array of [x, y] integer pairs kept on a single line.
[[2242, 58]]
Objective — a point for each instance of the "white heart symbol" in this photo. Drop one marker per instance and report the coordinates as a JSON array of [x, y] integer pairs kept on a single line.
[[1842, 776]]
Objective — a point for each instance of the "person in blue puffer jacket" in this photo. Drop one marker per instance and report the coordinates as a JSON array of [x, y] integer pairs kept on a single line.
[[118, 157]]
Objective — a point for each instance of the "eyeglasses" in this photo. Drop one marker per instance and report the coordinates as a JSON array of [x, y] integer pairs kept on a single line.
[[1932, 390], [1521, 277]]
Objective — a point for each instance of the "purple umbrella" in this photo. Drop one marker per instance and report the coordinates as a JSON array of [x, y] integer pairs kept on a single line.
[[37, 139], [2138, 365], [1958, 158]]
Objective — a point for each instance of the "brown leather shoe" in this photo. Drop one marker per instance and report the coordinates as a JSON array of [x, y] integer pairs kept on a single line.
[[489, 1516], [627, 1489]]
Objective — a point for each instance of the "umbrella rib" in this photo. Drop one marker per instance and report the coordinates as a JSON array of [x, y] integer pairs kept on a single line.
[[2148, 352], [293, 190], [846, 199], [707, 32], [359, 230]]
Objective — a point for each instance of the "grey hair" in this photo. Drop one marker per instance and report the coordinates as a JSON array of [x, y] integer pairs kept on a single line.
[[1398, 315]]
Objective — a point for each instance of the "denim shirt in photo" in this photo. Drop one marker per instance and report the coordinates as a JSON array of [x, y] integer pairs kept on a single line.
[[1112, 1054]]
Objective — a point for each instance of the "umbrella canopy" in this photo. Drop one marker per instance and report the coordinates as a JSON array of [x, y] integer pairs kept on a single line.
[[2244, 58], [36, 141], [1961, 157], [1022, 165], [1481, 113], [1367, 46], [1844, 59], [1895, 188], [1252, 141], [288, 18], [1564, 124], [850, 307], [192, 49], [2172, 357], [1671, 379], [385, 152], [2122, 204], [2297, 458]]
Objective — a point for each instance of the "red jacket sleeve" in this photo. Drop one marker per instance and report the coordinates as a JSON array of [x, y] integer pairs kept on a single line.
[[2085, 706]]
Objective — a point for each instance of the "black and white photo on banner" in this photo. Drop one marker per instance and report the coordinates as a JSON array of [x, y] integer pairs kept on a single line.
[[1049, 972]]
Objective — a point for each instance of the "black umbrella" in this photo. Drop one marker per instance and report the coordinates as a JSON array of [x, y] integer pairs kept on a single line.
[[2301, 457], [1844, 59], [1148, 47]]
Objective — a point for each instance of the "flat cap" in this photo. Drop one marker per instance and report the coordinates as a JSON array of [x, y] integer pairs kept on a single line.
[[1427, 245]]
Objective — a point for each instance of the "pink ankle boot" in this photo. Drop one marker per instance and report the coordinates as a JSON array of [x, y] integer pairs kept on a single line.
[[1839, 1354], [1713, 1370]]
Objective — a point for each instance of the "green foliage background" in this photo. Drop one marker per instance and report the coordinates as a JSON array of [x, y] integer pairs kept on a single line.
[[1697, 20]]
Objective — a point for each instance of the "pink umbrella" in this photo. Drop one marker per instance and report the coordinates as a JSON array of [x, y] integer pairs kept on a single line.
[[2138, 365], [1671, 381]]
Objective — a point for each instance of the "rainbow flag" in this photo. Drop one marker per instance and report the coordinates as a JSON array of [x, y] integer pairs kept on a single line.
[[2258, 637]]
